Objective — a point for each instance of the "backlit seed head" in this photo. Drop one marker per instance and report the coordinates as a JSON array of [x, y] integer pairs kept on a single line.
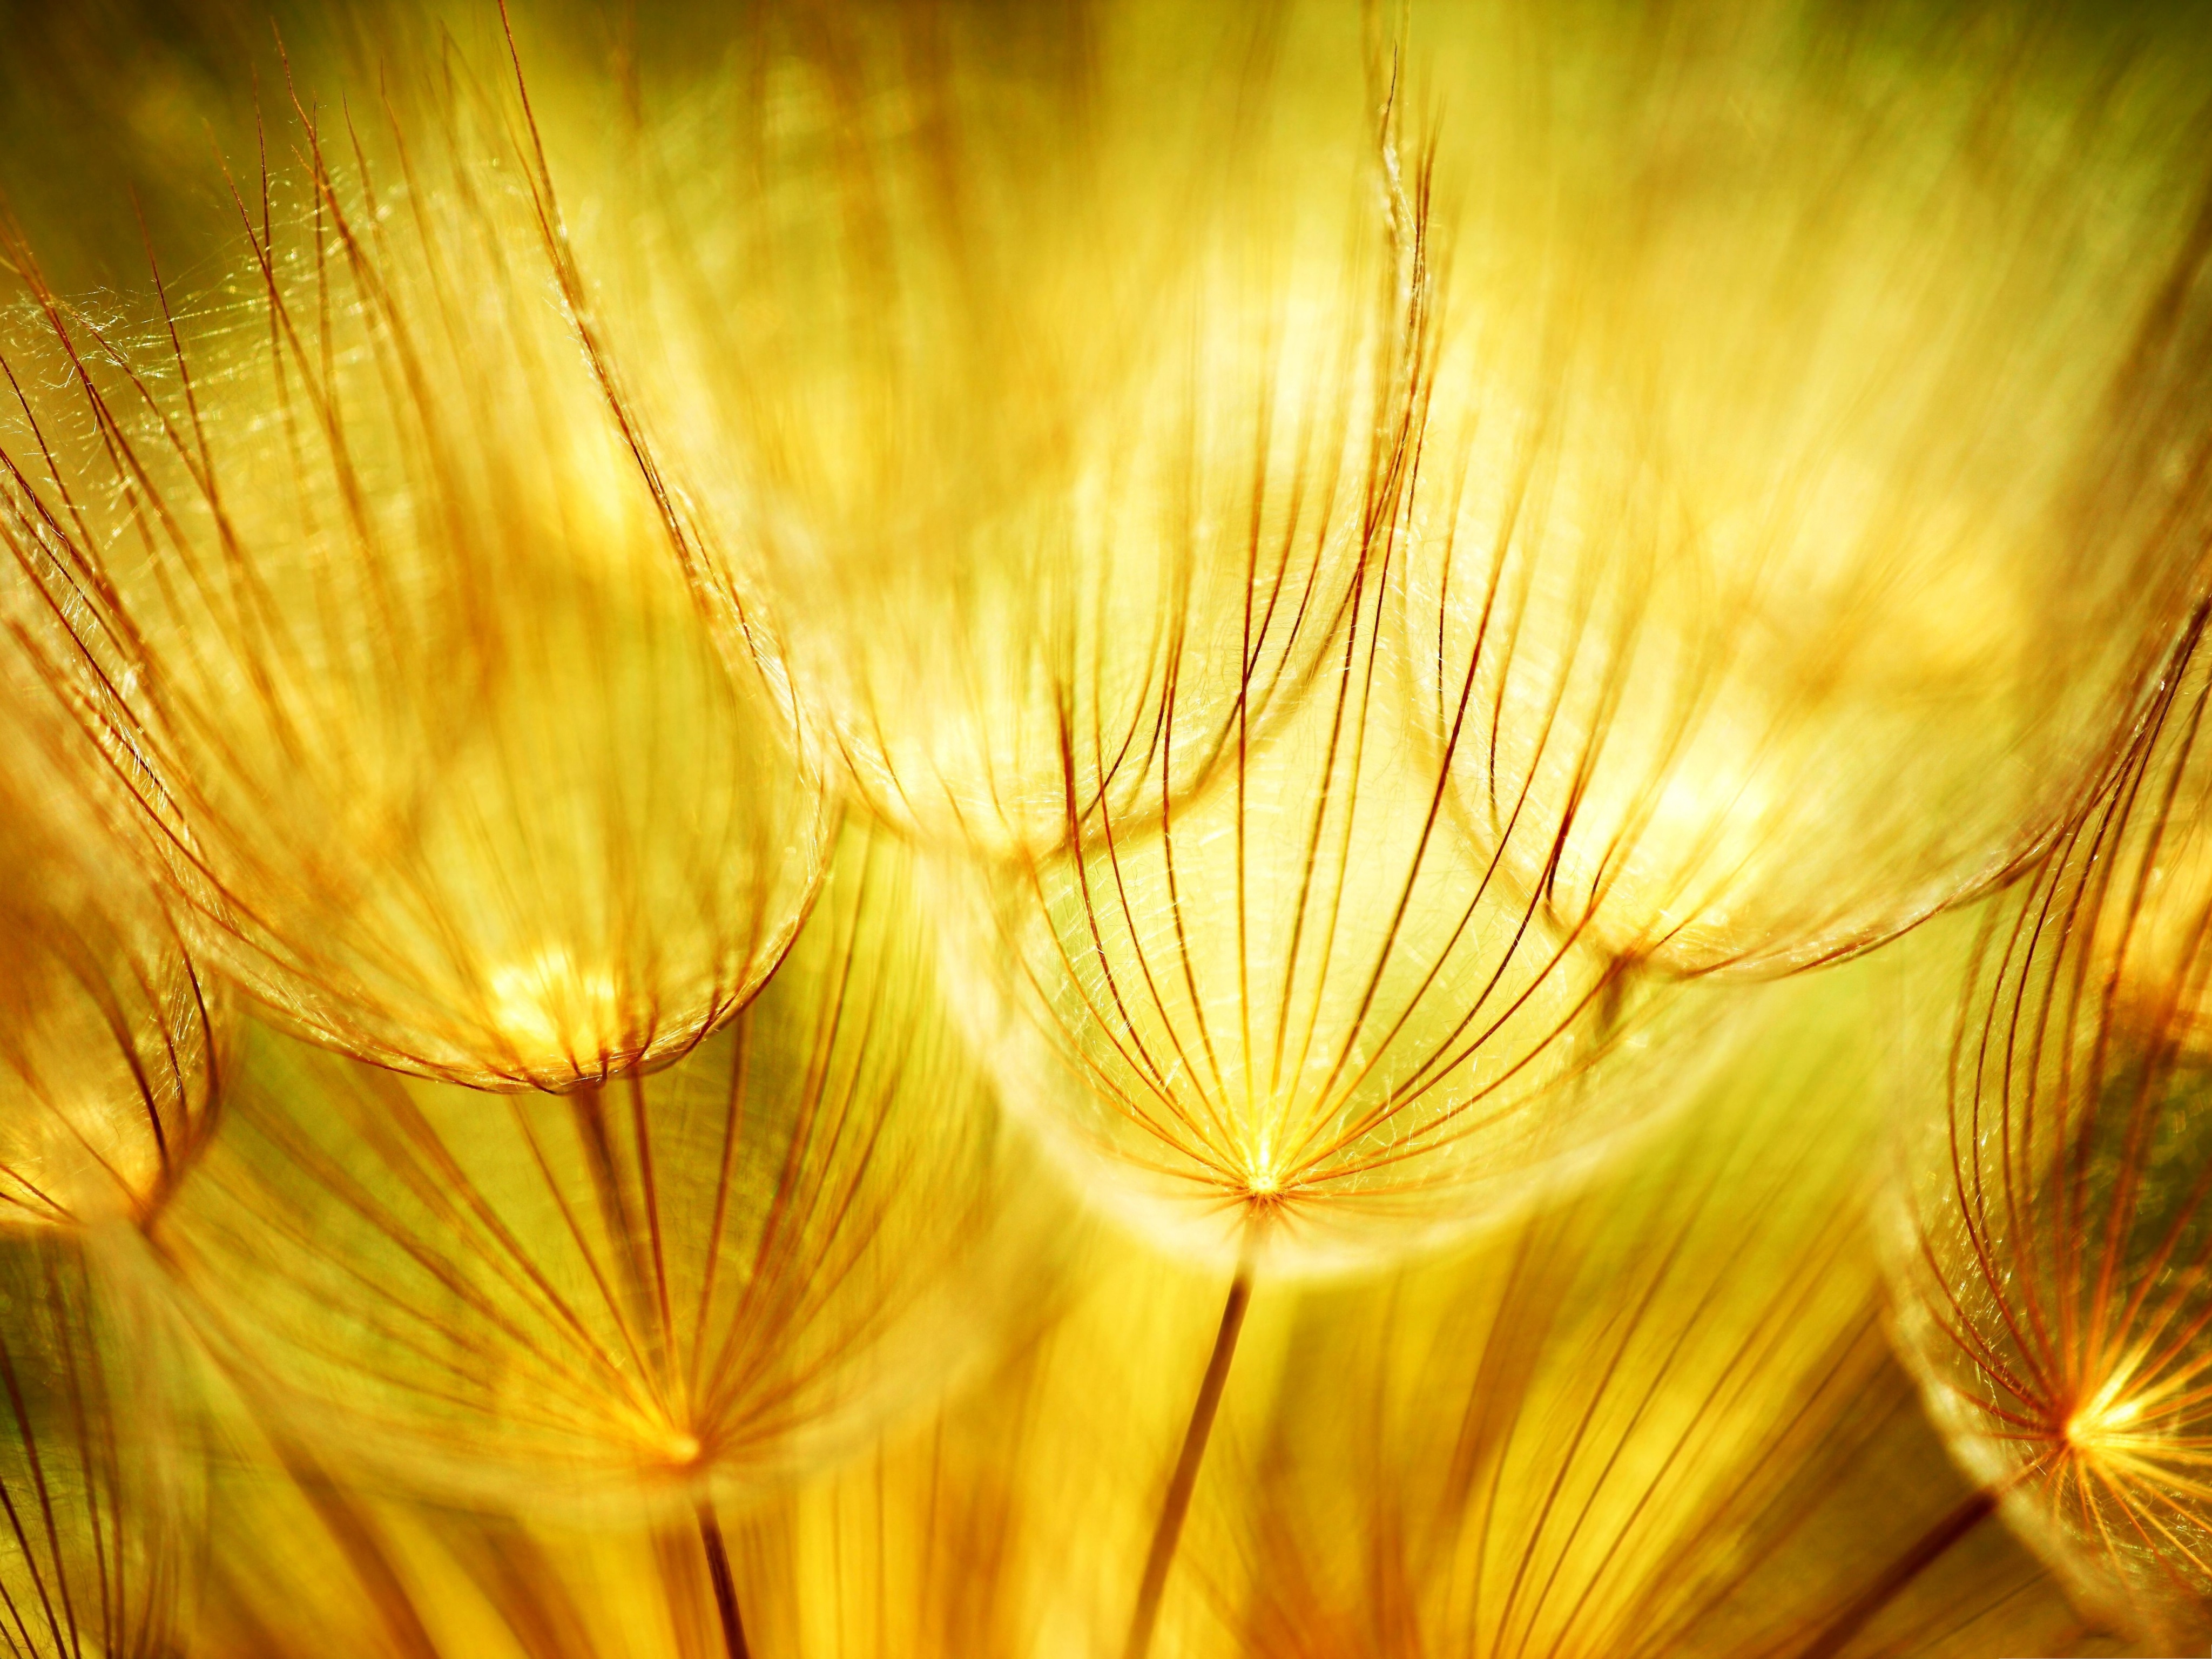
[[1047, 491], [1300, 1019], [1817, 461], [112, 1038], [639, 1294], [2056, 1244], [373, 610]]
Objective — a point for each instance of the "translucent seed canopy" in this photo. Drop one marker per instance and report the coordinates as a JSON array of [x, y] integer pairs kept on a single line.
[[1299, 1017], [111, 1038], [1027, 384], [633, 1293], [1813, 450], [2054, 1243], [375, 611]]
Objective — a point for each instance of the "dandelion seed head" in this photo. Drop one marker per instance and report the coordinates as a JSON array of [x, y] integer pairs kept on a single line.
[[2056, 1249], [1044, 499], [423, 729], [715, 1275], [1779, 630]]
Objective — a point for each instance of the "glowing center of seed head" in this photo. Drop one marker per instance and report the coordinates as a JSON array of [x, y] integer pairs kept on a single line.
[[681, 1447], [549, 999], [1262, 1177], [2105, 1417]]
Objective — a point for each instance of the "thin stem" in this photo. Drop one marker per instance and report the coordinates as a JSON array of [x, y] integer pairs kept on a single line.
[[1900, 1573], [1177, 1505], [725, 1587]]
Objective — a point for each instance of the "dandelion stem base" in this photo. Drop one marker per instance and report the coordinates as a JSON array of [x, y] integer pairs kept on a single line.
[[726, 1587], [1901, 1572], [1168, 1531]]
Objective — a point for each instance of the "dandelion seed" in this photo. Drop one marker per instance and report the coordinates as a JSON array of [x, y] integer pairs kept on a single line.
[[627, 1300], [1048, 491], [1250, 1018], [1342, 555], [1291, 1018], [2053, 1249], [1817, 458], [372, 612]]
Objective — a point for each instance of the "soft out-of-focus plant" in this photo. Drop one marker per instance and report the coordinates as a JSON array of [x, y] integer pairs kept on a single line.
[[2055, 1239], [374, 616], [100, 1530], [1027, 383], [111, 1036], [1494, 1453], [1002, 1523], [1819, 451]]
